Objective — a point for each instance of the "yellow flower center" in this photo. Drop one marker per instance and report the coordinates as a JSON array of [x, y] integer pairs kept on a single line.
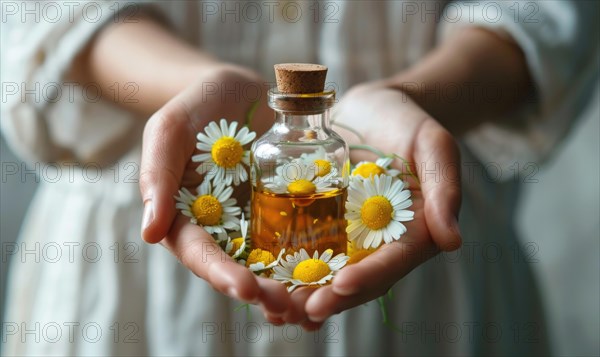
[[350, 248], [227, 152], [376, 212], [311, 270], [301, 187], [207, 210], [236, 243], [368, 169], [359, 255], [323, 167], [260, 256]]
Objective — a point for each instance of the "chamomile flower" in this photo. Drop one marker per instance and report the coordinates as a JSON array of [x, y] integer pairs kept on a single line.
[[221, 237], [260, 260], [237, 246], [297, 178], [381, 166], [322, 165], [302, 270], [375, 209], [357, 254], [212, 208], [225, 156]]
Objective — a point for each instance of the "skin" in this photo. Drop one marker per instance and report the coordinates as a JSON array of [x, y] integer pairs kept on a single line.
[[424, 128]]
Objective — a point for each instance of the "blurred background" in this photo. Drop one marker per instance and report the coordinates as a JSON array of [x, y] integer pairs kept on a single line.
[[560, 214]]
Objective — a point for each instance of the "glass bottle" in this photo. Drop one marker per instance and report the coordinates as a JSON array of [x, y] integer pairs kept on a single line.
[[299, 173]]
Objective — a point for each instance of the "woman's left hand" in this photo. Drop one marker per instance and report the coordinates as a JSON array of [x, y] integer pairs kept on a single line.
[[391, 122]]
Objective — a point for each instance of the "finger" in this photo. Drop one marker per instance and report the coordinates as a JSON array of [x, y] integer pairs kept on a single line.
[[198, 251], [311, 326], [438, 166], [371, 277], [274, 298], [168, 144], [330, 303], [277, 321], [297, 313]]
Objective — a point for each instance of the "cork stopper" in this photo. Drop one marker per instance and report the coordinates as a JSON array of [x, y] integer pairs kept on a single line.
[[300, 78]]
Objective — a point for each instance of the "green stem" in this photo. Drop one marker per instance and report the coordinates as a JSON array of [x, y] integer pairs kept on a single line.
[[410, 171], [384, 313], [250, 114], [247, 307], [383, 309], [353, 131], [240, 307], [368, 148]]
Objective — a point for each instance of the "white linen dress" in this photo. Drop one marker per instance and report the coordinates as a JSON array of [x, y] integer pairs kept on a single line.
[[82, 281]]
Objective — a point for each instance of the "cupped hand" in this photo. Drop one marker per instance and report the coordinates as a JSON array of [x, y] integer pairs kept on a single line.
[[169, 142], [390, 121]]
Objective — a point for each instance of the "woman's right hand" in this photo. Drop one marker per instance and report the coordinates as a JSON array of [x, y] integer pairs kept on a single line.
[[168, 144]]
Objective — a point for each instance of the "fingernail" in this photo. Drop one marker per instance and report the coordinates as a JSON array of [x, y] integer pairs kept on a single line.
[[277, 321], [317, 319], [233, 293], [148, 215]]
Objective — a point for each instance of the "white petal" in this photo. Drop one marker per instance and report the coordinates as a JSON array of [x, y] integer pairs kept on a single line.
[[397, 187], [225, 178], [230, 225], [232, 129], [402, 196], [209, 229], [386, 185], [303, 255], [351, 206], [404, 215], [224, 128], [188, 193], [327, 254], [182, 206], [379, 237], [203, 138], [360, 235], [384, 162], [369, 187], [337, 262], [393, 172], [201, 157], [396, 229], [241, 135], [232, 210], [353, 225], [213, 131], [370, 237], [229, 202], [353, 216], [224, 193], [242, 171]]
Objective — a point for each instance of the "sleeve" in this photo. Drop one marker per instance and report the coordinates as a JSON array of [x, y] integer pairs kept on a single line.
[[44, 116], [560, 42]]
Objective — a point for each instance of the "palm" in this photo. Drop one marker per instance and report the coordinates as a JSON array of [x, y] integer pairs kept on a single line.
[[169, 143], [389, 123], [393, 124]]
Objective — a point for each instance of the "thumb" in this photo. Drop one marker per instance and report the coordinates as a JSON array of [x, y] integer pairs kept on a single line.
[[436, 149], [168, 143]]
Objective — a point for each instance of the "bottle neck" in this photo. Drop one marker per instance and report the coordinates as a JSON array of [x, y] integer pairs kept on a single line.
[[298, 121]]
